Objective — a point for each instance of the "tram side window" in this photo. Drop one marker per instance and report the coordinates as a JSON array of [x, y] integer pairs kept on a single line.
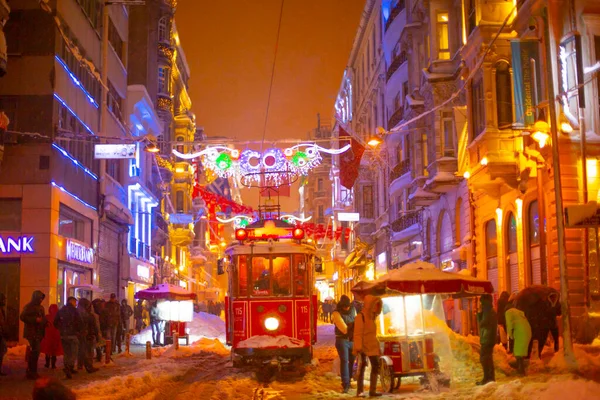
[[281, 276], [300, 274], [261, 276], [242, 276]]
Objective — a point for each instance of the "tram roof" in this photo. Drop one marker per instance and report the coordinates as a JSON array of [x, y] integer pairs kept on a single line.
[[284, 246]]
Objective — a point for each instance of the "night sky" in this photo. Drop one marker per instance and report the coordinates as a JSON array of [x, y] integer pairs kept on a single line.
[[230, 46]]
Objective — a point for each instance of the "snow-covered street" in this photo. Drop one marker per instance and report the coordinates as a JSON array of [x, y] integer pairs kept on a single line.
[[203, 370]]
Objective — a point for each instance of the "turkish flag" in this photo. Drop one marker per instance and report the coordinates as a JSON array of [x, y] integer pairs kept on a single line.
[[350, 159]]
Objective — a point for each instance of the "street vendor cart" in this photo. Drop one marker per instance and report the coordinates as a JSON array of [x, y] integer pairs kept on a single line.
[[413, 319], [175, 307]]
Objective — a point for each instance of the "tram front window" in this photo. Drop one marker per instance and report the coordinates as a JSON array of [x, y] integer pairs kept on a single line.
[[242, 277], [301, 274], [261, 276], [281, 276]]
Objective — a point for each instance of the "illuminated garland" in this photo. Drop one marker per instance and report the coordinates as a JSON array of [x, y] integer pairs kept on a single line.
[[272, 165]]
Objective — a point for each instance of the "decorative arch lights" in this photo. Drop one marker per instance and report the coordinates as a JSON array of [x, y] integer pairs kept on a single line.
[[239, 221], [254, 165]]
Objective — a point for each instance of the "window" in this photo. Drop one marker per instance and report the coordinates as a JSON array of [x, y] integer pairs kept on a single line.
[[511, 244], [491, 245], [10, 215], [569, 75], [281, 276], [261, 276], [301, 275], [164, 80], [93, 11], [242, 275], [597, 49], [534, 224], [320, 184], [8, 105], [442, 36], [180, 147], [535, 254], [179, 201], [511, 253], [405, 89], [477, 108], [115, 102], [504, 102], [116, 42], [448, 131], [368, 208], [113, 168], [164, 30], [471, 16], [72, 225], [320, 213]]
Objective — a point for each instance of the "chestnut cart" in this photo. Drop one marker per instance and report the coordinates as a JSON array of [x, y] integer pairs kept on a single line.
[[406, 325]]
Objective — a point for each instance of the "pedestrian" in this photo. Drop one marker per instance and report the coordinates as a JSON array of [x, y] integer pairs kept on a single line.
[[34, 318], [326, 310], [448, 305], [51, 345], [51, 389], [69, 323], [87, 336], [488, 328], [366, 343], [138, 316], [126, 313], [3, 331], [501, 309], [111, 316], [155, 322], [343, 319], [553, 325], [97, 308], [146, 314], [519, 330]]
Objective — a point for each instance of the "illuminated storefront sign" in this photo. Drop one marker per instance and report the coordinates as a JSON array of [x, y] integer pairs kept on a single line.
[[20, 244], [79, 252], [143, 272]]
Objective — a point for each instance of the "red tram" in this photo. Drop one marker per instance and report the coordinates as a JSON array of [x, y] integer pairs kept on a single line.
[[271, 307]]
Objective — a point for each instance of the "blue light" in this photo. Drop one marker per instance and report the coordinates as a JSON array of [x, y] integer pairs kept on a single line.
[[74, 161], [76, 81], [57, 97], [73, 196]]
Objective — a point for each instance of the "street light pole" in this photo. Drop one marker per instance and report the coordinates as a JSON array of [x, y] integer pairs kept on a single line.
[[560, 223]]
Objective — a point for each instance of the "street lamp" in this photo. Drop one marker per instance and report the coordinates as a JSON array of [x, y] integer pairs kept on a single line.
[[540, 132]]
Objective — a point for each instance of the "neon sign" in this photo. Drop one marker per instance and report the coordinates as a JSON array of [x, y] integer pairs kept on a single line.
[[78, 252], [21, 244]]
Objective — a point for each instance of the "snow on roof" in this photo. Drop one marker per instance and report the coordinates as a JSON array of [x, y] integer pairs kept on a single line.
[[421, 193], [442, 177], [264, 341]]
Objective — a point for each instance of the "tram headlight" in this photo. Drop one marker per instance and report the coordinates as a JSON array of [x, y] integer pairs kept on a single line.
[[271, 324]]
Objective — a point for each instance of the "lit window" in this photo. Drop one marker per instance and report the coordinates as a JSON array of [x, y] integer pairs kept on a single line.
[[504, 101], [163, 30], [164, 80], [442, 35], [448, 130]]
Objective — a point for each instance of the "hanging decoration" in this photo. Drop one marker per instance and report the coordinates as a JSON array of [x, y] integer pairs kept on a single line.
[[239, 221], [215, 201], [292, 219], [274, 165]]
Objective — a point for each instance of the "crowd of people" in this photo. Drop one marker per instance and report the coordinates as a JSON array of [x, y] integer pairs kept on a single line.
[[74, 332]]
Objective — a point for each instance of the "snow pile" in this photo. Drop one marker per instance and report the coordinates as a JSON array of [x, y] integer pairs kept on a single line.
[[586, 362], [203, 325], [17, 351], [264, 341], [202, 345]]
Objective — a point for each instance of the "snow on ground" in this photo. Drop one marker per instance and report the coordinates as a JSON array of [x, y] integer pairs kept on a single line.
[[271, 341], [204, 325]]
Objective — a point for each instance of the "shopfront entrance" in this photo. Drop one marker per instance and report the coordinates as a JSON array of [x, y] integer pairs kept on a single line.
[[10, 275]]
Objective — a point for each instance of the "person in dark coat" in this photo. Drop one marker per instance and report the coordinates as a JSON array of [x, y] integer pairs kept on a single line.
[[3, 347], [87, 337], [69, 323], [138, 316], [366, 344], [112, 317], [34, 318], [126, 313], [51, 345], [343, 320], [97, 308], [488, 328], [501, 309]]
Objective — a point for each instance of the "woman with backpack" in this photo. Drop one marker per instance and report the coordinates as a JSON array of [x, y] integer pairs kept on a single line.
[[343, 319], [366, 343]]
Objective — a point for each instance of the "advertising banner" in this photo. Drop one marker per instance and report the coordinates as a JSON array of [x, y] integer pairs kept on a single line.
[[525, 64]]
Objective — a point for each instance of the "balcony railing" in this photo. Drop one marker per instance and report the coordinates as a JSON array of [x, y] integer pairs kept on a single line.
[[395, 11], [400, 169], [396, 117], [407, 220], [396, 63], [139, 248]]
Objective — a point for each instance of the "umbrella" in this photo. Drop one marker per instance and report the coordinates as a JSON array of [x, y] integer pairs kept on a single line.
[[165, 291], [425, 278]]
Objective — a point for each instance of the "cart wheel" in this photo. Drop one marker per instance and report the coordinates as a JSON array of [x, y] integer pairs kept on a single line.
[[398, 382], [387, 379]]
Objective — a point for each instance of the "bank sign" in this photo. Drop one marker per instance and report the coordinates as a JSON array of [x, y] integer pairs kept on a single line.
[[79, 252], [16, 244]]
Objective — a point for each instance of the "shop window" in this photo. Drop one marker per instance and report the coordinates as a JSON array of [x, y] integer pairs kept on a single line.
[[10, 215], [261, 276], [511, 253], [442, 36], [300, 275], [491, 252], [504, 101], [281, 276], [72, 225], [533, 227], [10, 275], [445, 234]]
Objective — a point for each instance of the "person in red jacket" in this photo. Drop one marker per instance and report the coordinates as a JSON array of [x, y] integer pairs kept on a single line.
[[51, 345]]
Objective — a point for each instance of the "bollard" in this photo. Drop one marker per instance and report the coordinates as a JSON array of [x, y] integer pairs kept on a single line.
[[127, 340], [148, 350], [176, 340], [108, 351]]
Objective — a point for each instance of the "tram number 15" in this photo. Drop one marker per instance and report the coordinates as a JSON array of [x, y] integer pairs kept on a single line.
[[304, 309]]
